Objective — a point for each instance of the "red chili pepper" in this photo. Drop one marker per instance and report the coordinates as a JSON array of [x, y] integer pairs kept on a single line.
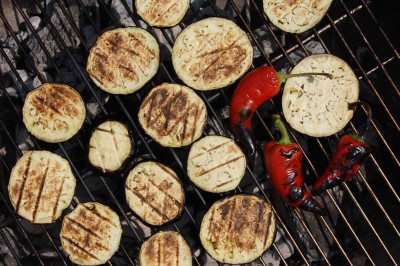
[[283, 162], [255, 88], [350, 155]]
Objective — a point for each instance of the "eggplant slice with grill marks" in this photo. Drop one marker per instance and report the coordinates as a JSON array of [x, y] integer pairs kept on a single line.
[[238, 229], [211, 54], [165, 248], [164, 13], [123, 60], [155, 193], [41, 186], [173, 115], [295, 16], [110, 146], [53, 112], [90, 234], [216, 164]]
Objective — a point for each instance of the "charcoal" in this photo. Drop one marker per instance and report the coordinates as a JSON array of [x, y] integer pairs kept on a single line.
[[4, 66], [120, 13], [16, 243], [265, 38], [35, 21], [45, 76], [141, 229], [89, 34], [23, 138], [53, 45]]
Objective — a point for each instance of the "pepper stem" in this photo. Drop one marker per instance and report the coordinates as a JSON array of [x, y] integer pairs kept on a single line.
[[283, 77], [285, 139], [364, 127]]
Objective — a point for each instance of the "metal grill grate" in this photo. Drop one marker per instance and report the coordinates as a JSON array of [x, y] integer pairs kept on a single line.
[[347, 27]]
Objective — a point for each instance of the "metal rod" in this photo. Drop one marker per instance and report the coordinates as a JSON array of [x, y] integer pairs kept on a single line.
[[10, 247]]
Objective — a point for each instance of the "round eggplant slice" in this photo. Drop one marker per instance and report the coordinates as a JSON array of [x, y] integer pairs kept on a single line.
[[110, 145], [173, 115], [166, 13], [165, 248], [123, 60], [295, 16], [90, 234], [211, 54], [318, 106], [238, 229], [41, 186], [53, 112], [216, 164], [155, 193]]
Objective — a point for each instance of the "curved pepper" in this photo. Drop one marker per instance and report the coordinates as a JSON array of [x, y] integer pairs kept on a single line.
[[283, 162], [255, 88], [350, 155]]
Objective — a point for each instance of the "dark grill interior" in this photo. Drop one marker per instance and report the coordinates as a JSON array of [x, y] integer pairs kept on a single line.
[[363, 223]]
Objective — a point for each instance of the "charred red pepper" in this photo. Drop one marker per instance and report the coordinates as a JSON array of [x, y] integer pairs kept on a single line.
[[255, 88], [350, 155], [282, 159]]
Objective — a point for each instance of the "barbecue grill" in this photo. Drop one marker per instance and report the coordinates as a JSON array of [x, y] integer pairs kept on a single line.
[[363, 224]]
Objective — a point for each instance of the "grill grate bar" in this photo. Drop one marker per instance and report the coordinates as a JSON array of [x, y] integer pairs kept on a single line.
[[369, 223], [374, 54], [20, 227], [312, 36], [32, 30], [380, 29], [73, 25], [342, 38], [10, 247], [369, 72], [8, 26]]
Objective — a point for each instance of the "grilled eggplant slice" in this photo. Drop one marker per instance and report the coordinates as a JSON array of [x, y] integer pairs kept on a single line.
[[216, 164], [238, 229], [173, 115], [317, 105], [165, 248], [53, 112], [211, 53], [155, 193], [295, 16], [165, 13], [123, 60], [41, 186], [110, 146], [90, 234]]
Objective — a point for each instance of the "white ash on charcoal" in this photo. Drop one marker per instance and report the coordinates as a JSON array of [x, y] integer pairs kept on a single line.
[[15, 241], [265, 38], [45, 33], [45, 76], [23, 138], [10, 47]]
